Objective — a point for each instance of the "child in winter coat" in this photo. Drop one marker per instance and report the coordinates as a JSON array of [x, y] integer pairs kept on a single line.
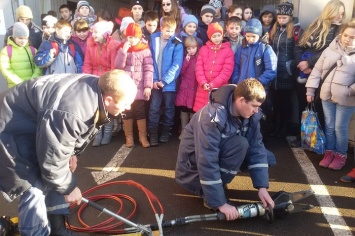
[[86, 12], [151, 22], [137, 11], [214, 65], [207, 13], [267, 18], [100, 58], [48, 23], [16, 59], [135, 58], [186, 93], [120, 34], [189, 28], [59, 54], [233, 34], [81, 34]]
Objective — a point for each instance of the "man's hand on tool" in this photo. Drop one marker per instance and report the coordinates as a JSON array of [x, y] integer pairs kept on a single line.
[[73, 163], [74, 197], [229, 211], [265, 198]]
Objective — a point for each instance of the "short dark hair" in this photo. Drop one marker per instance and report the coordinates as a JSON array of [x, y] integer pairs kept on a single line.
[[234, 20], [64, 6], [151, 16]]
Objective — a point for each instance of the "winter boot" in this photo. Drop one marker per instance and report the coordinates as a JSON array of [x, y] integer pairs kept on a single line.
[[142, 131], [153, 137], [58, 228], [349, 177], [165, 134], [185, 117], [128, 132], [327, 159], [106, 139], [97, 139], [338, 161]]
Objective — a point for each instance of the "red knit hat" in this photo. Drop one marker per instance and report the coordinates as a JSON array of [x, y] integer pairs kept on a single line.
[[134, 30], [214, 28]]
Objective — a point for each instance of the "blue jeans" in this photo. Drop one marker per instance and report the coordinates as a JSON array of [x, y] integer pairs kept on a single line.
[[157, 98], [337, 120]]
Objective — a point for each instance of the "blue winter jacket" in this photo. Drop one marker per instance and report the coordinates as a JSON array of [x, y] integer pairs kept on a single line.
[[173, 54], [257, 61], [199, 150]]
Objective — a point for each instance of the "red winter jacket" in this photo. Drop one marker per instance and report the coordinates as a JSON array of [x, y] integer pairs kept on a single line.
[[214, 66], [100, 60]]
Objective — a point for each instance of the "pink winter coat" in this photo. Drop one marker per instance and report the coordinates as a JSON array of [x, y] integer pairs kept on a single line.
[[214, 66], [82, 43], [100, 60], [139, 65], [186, 93]]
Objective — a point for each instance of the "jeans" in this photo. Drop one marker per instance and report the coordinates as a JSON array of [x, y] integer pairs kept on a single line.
[[168, 99], [337, 118]]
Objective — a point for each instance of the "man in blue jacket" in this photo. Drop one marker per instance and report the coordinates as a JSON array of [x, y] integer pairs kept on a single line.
[[44, 124], [222, 139]]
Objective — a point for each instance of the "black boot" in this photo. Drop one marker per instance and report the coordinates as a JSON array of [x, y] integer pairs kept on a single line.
[[277, 127], [165, 134], [153, 137], [58, 228], [283, 131]]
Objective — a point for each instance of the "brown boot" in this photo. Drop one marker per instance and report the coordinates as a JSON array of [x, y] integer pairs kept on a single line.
[[128, 131], [142, 129]]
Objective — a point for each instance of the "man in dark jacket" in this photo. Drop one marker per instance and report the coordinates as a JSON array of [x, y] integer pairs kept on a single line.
[[44, 124], [222, 139]]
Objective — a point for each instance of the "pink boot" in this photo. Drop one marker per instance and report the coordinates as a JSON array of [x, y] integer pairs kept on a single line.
[[338, 161], [327, 159]]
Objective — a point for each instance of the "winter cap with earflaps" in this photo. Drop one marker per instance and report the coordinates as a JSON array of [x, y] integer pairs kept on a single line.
[[254, 26], [20, 30], [207, 8], [125, 22], [24, 12], [134, 30], [285, 8], [189, 19], [214, 28], [103, 27]]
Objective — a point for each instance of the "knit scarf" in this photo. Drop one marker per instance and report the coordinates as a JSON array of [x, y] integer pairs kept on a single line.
[[139, 47]]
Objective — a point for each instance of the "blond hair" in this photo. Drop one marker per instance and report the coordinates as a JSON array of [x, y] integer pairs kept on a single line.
[[251, 89], [190, 41], [167, 21], [289, 28]]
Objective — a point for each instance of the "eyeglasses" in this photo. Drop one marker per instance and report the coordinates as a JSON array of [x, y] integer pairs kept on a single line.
[[166, 4]]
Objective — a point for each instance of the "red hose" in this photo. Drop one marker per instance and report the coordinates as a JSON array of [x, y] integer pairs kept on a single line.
[[105, 227]]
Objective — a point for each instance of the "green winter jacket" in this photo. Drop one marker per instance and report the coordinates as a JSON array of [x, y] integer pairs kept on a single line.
[[20, 66]]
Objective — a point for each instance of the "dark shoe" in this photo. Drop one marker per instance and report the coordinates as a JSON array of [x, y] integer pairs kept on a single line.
[[296, 143], [57, 224], [153, 137], [349, 177], [274, 133], [165, 134]]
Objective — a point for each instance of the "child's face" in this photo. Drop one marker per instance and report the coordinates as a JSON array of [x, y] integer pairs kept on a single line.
[[347, 38], [166, 4], [47, 30], [267, 19], [151, 26], [21, 41], [251, 38], [167, 32], [97, 36], [84, 10], [82, 34], [237, 12], [339, 18], [137, 11], [190, 28], [216, 38], [133, 40], [64, 32], [207, 18], [233, 30], [65, 13], [191, 50], [248, 13], [283, 19]]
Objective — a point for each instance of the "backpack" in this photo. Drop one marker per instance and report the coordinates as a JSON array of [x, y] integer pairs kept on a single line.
[[71, 47], [296, 33], [9, 51]]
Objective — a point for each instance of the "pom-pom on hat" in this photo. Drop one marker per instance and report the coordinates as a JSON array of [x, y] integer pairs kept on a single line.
[[189, 19], [136, 2], [134, 30], [49, 21], [24, 12], [214, 28], [285, 8], [20, 30], [207, 8], [253, 26], [216, 3], [104, 28], [82, 3], [125, 22]]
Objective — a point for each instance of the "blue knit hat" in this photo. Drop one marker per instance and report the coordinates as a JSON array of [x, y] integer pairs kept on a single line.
[[254, 26], [189, 19]]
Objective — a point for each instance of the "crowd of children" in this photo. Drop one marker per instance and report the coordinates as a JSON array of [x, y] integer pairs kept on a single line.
[[176, 59]]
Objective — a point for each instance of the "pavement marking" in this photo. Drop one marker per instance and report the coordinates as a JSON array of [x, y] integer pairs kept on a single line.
[[110, 171], [331, 213]]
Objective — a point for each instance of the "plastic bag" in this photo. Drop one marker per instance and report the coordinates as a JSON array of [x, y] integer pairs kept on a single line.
[[312, 135]]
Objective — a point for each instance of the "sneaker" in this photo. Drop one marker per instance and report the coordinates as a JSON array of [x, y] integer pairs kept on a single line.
[[327, 159], [338, 162], [349, 177]]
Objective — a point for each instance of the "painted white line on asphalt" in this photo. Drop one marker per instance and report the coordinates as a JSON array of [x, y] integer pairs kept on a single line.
[[110, 171], [330, 212]]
